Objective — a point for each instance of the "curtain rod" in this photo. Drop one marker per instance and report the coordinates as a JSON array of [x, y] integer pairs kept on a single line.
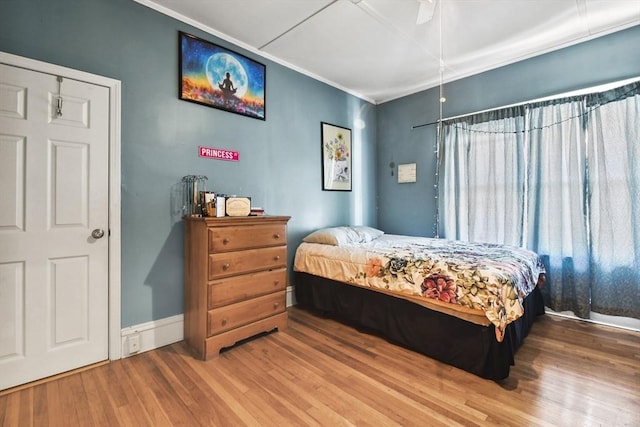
[[424, 124], [585, 91]]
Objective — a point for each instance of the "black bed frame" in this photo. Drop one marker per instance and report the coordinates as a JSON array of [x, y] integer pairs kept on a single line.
[[454, 341]]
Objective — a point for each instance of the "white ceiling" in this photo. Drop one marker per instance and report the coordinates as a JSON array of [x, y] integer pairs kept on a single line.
[[375, 50]]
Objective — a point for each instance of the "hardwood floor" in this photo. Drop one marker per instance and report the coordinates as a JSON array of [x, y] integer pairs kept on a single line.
[[320, 372]]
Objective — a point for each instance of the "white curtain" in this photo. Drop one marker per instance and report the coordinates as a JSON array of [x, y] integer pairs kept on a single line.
[[561, 178], [483, 189], [556, 202], [614, 183]]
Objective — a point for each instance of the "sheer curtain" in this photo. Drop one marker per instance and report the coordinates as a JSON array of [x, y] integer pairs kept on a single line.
[[614, 215], [559, 177], [556, 203], [484, 187]]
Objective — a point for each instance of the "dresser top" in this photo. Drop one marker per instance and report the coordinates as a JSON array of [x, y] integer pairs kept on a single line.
[[238, 220]]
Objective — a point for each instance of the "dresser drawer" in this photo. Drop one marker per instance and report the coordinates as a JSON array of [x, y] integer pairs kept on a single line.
[[235, 315], [254, 236], [239, 288], [231, 263]]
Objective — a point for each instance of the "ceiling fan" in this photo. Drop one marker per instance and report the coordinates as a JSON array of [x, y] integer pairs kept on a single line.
[[426, 11]]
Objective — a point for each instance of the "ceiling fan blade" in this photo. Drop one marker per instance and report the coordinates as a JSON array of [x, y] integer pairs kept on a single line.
[[426, 11]]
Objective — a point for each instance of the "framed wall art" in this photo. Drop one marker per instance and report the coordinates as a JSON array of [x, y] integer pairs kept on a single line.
[[336, 158], [220, 78]]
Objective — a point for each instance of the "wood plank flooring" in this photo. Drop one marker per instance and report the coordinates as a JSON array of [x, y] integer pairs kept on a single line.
[[322, 373]]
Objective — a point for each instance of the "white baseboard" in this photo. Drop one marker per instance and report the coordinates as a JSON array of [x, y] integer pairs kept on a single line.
[[158, 333], [627, 323], [291, 296], [152, 335]]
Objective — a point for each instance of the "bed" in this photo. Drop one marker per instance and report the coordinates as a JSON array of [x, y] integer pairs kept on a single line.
[[469, 305]]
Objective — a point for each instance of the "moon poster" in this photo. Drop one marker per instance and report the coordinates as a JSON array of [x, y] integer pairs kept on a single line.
[[220, 78]]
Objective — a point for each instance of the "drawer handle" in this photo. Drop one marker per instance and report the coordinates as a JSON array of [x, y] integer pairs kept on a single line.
[[224, 322], [276, 258], [276, 305], [276, 283], [226, 267], [276, 236], [225, 241]]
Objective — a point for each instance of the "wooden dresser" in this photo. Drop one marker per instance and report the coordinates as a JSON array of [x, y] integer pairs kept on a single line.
[[235, 280]]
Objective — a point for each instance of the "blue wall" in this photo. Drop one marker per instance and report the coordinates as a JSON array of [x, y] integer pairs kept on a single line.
[[279, 158], [411, 208]]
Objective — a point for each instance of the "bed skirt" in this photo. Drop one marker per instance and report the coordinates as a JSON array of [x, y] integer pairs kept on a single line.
[[441, 336]]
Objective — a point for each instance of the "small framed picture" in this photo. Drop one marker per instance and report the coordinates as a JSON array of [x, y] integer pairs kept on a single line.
[[336, 158], [221, 78]]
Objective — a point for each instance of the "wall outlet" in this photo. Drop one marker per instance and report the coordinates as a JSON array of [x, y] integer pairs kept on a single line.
[[134, 343]]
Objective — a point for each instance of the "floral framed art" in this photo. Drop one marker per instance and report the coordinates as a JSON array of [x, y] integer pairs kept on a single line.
[[336, 158], [221, 78]]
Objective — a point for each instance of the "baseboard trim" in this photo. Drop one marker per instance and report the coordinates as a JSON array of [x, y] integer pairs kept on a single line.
[[158, 333], [152, 335], [291, 296]]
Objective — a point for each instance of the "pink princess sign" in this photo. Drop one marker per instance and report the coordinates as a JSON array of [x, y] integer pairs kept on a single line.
[[218, 154]]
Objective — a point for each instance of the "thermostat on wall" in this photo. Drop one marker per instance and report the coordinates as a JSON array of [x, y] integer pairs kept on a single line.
[[407, 173]]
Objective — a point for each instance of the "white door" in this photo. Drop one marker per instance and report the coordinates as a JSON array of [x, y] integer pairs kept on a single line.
[[53, 194]]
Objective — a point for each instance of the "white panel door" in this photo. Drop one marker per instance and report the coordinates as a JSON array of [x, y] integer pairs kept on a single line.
[[53, 195]]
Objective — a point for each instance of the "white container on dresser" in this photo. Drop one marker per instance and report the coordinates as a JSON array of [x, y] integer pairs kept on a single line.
[[235, 280]]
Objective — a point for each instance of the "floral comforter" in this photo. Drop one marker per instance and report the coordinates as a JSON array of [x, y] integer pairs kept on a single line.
[[487, 277]]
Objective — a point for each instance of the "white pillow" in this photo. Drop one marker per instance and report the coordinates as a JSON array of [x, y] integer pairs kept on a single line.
[[343, 236], [367, 234]]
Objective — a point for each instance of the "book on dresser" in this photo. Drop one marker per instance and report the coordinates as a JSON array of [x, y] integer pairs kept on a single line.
[[235, 279]]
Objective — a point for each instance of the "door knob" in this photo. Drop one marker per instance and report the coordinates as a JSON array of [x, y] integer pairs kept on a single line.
[[97, 233]]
